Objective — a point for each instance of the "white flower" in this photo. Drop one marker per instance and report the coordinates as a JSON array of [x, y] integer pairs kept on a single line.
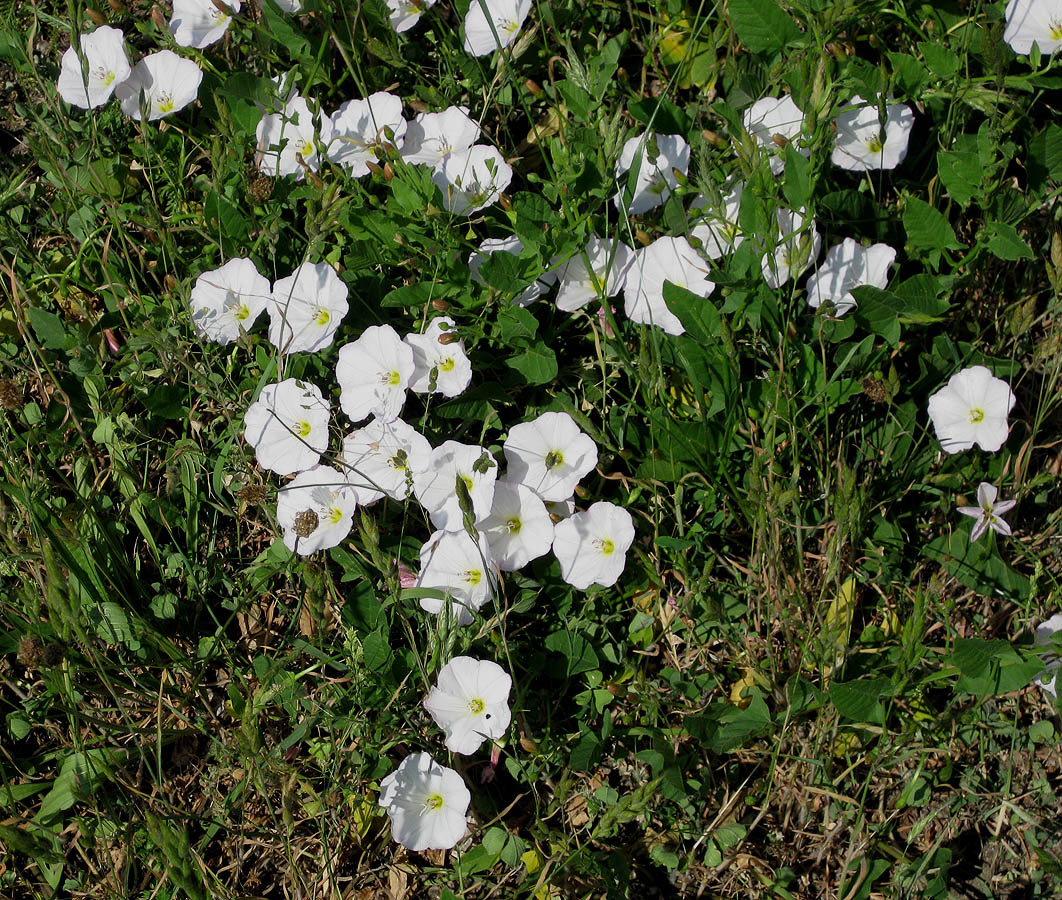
[[599, 271], [426, 804], [797, 245], [436, 486], [199, 23], [472, 179], [287, 426], [307, 308], [972, 409], [717, 229], [290, 6], [514, 246], [226, 301], [324, 492], [775, 122], [665, 259], [549, 454], [106, 66], [286, 137], [493, 24], [165, 82], [518, 528], [360, 126], [849, 265], [861, 144], [1034, 22], [470, 702], [431, 137], [591, 546], [451, 562], [373, 373], [656, 176], [440, 357], [988, 511], [1048, 678], [382, 457], [406, 13]]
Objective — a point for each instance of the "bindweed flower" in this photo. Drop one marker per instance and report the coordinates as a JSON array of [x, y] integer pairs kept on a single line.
[[163, 81], [373, 373], [359, 127], [775, 122], [382, 457], [1047, 679], [863, 144], [432, 137], [518, 528], [665, 259], [972, 409], [106, 66], [600, 271], [451, 562], [549, 454], [404, 14], [470, 702], [325, 492], [289, 6], [285, 138], [426, 804], [440, 364], [797, 245], [657, 157], [514, 246], [287, 426], [307, 308], [592, 545], [717, 227], [1034, 22], [436, 486], [472, 179], [226, 301], [988, 511], [200, 23], [849, 265], [493, 24]]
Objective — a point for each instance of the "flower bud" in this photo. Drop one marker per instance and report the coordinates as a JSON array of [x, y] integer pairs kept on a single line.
[[158, 17], [96, 16]]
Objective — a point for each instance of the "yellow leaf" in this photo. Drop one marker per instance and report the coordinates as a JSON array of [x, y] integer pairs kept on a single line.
[[531, 862], [837, 627]]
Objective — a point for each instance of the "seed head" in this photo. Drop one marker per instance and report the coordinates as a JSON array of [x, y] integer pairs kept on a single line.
[[306, 523], [10, 394], [252, 494]]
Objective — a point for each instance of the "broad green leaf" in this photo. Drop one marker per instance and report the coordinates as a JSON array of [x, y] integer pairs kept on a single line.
[[927, 228], [797, 186], [577, 651], [538, 363], [697, 314], [978, 566], [860, 700], [762, 25], [49, 329], [1005, 242]]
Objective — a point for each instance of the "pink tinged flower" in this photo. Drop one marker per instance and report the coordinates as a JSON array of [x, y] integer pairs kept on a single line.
[[656, 175], [432, 137], [226, 301], [382, 457], [493, 24], [407, 578], [460, 569], [1034, 22], [360, 127], [287, 426], [797, 244], [666, 259], [515, 246], [849, 265], [199, 23], [106, 66], [426, 804], [373, 373], [591, 546], [436, 485], [549, 455], [163, 82], [307, 308], [1048, 678], [597, 272], [470, 702], [285, 138], [717, 227], [972, 409], [775, 122], [518, 528], [324, 492], [988, 512], [863, 144], [472, 179], [441, 365]]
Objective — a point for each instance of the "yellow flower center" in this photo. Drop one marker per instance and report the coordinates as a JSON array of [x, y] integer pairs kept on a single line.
[[393, 378], [447, 365], [306, 148], [336, 515], [323, 317], [398, 461], [514, 525], [875, 145], [303, 429], [242, 313], [604, 546], [476, 706], [554, 458], [435, 801], [166, 104], [1056, 31], [976, 415], [108, 78], [473, 577]]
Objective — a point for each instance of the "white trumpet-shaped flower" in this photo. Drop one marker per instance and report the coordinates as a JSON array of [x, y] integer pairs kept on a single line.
[[226, 301], [797, 244], [436, 486], [1048, 679], [665, 259], [359, 127], [432, 137], [106, 67], [549, 454], [373, 373], [382, 457], [163, 81], [319, 495], [460, 569], [440, 364], [716, 227], [656, 173], [472, 179], [287, 426], [775, 122], [307, 308], [599, 271], [592, 545], [404, 14], [426, 803], [988, 511], [849, 265], [470, 702], [864, 143], [518, 528], [493, 24], [200, 23], [970, 409], [1034, 22], [287, 141]]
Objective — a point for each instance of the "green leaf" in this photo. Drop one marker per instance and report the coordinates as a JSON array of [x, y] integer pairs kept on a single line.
[[697, 314], [797, 186], [762, 25], [1005, 242], [860, 700], [660, 114], [1045, 157], [538, 364], [736, 726], [376, 651], [49, 329], [577, 650], [942, 62], [514, 325], [960, 172], [927, 228], [978, 566], [585, 753], [418, 295], [80, 776]]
